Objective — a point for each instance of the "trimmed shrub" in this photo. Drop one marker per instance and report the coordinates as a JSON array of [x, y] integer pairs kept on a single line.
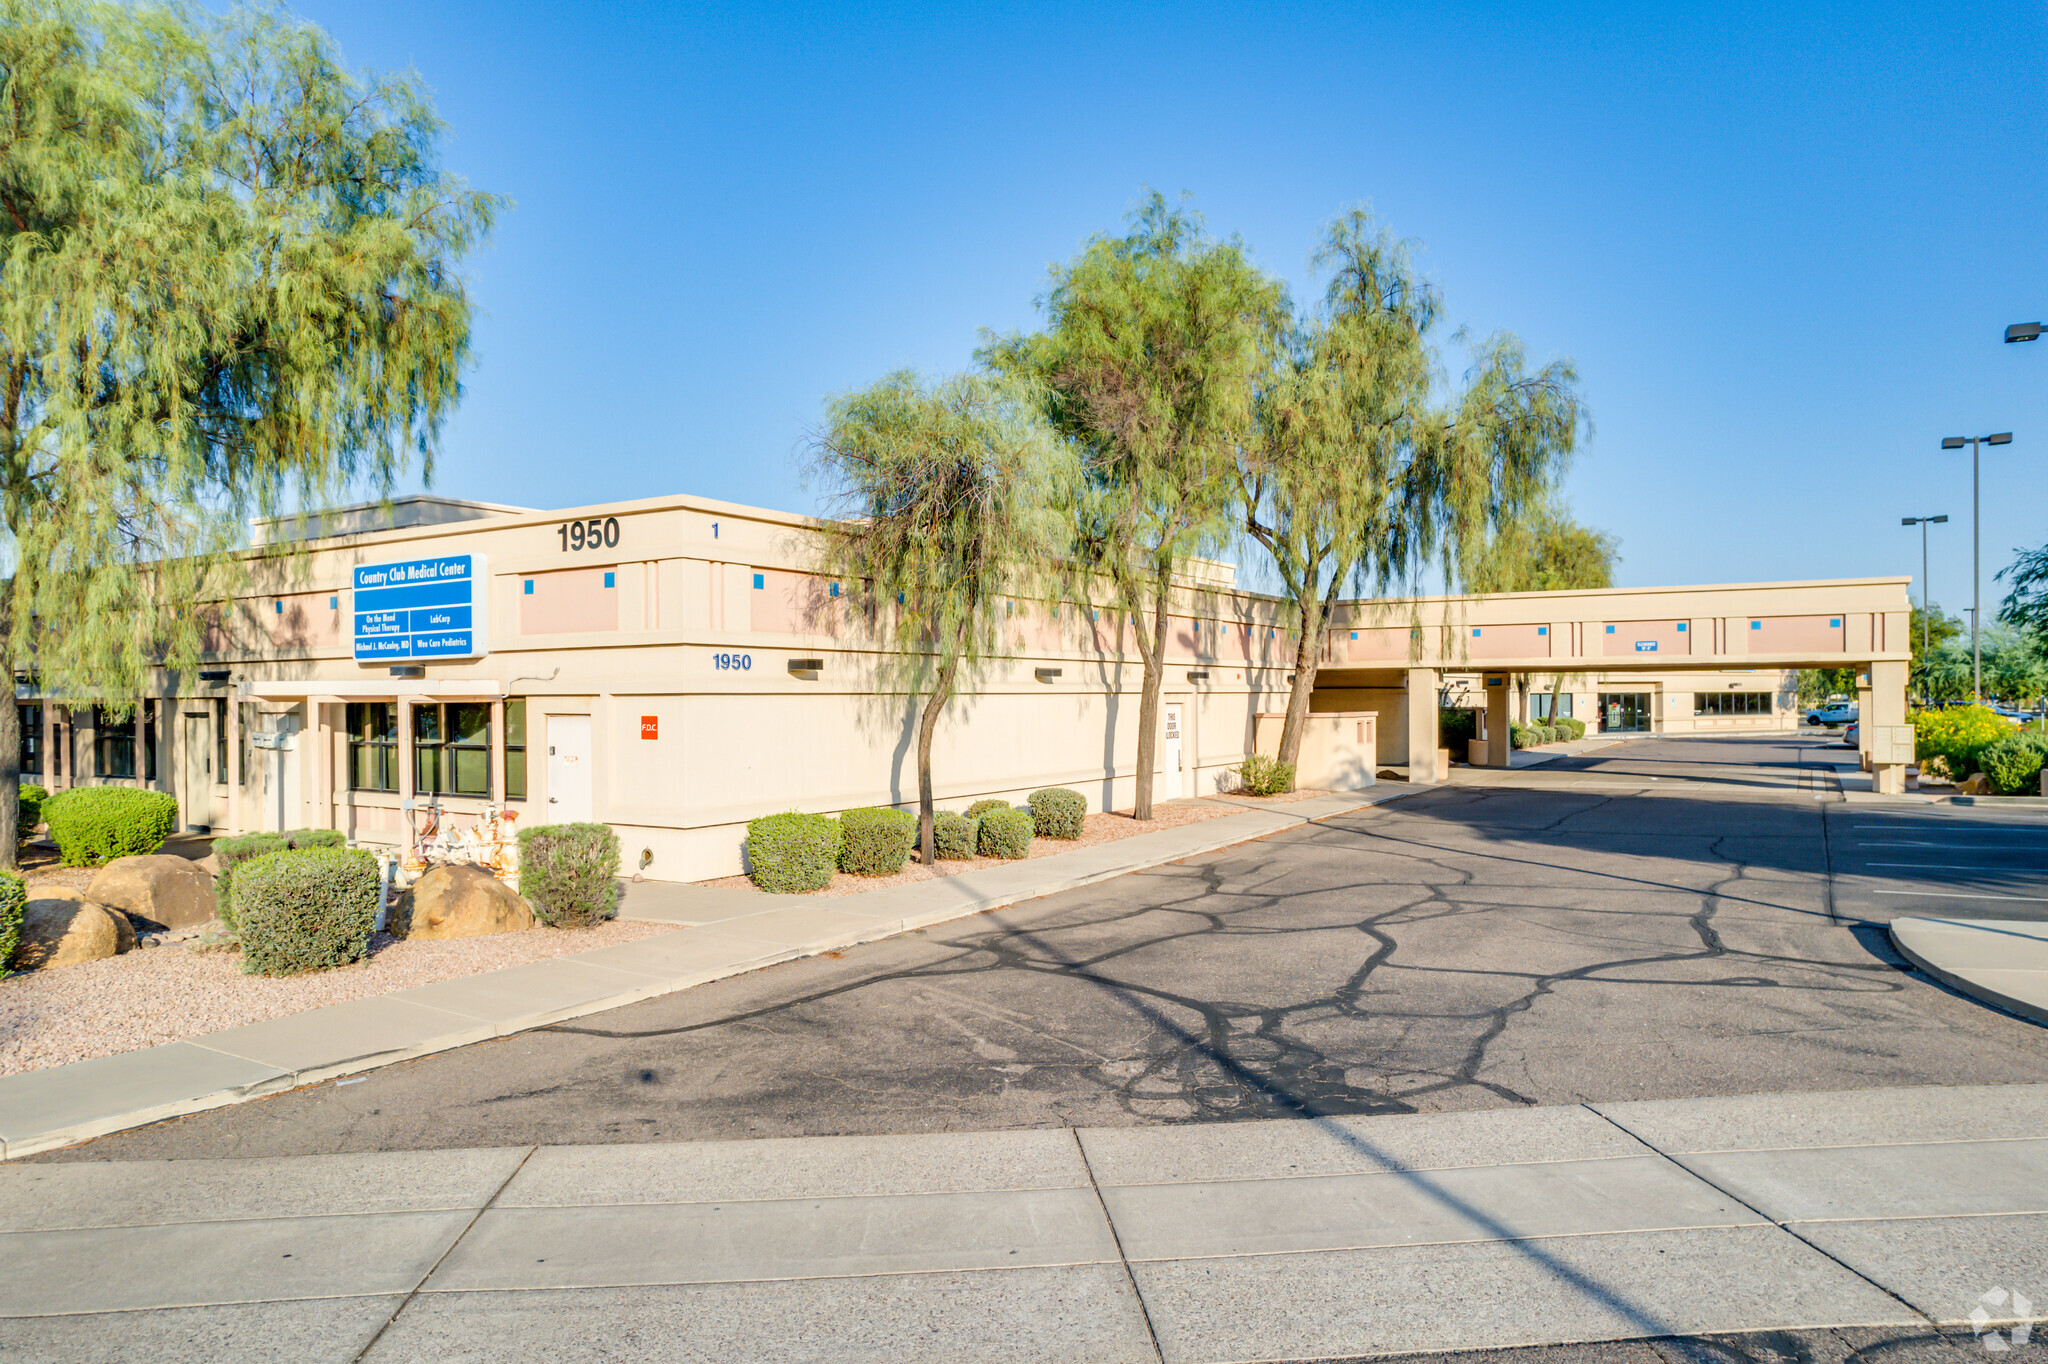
[[1057, 812], [13, 899], [1959, 734], [569, 873], [316, 838], [876, 841], [790, 854], [982, 807], [1570, 728], [1523, 736], [1456, 728], [1005, 833], [305, 909], [95, 824], [2013, 766], [1261, 775], [232, 852], [28, 813], [954, 835]]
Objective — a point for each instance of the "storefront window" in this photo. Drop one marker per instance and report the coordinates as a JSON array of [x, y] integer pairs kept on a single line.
[[1539, 705], [31, 740], [1732, 703], [452, 749], [372, 746], [114, 742], [515, 748]]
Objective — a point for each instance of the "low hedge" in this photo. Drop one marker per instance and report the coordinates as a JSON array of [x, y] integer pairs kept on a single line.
[[305, 909], [1057, 812], [954, 835], [1569, 728], [1005, 833], [1523, 736], [982, 807], [790, 854], [2013, 765], [876, 841], [28, 812], [95, 824], [13, 899], [1263, 775], [569, 873], [234, 851]]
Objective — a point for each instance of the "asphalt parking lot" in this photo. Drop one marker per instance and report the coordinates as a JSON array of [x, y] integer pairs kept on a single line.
[[1960, 861], [1650, 921]]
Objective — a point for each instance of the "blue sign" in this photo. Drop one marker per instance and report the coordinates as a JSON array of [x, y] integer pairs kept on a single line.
[[1646, 646], [422, 608]]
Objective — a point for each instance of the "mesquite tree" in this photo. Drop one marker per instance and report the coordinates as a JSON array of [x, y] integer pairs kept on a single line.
[[227, 280], [1151, 343], [943, 496], [1545, 550]]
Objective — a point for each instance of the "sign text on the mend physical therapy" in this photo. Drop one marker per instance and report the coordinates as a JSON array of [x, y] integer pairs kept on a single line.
[[422, 608]]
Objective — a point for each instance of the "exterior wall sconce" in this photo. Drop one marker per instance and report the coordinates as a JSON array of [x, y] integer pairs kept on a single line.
[[806, 668], [408, 670], [1198, 677], [213, 674], [1045, 674]]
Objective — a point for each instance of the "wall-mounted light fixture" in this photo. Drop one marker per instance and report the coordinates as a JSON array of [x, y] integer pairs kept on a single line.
[[213, 674], [1045, 674], [806, 668], [1198, 676], [408, 670]]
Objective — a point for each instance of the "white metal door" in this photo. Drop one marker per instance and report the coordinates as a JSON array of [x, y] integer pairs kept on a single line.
[[568, 769], [1173, 773], [195, 800]]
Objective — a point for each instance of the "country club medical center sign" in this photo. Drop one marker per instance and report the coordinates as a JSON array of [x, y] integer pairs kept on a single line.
[[422, 608]]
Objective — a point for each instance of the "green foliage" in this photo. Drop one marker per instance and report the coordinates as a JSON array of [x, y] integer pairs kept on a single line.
[[1261, 774], [1817, 685], [954, 835], [792, 853], [2026, 606], [95, 824], [315, 838], [1057, 812], [305, 909], [2013, 764], [13, 900], [876, 841], [1568, 728], [232, 852], [1544, 550], [1457, 727], [1958, 735], [1005, 833], [982, 807], [569, 873], [1524, 736], [30, 804]]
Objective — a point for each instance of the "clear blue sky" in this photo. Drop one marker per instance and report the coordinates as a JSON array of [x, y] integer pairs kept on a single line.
[[1781, 242]]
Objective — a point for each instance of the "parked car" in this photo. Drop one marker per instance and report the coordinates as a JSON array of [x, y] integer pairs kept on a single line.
[[1840, 713], [1849, 735]]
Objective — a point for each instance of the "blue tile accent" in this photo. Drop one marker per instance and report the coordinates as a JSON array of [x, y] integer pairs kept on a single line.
[[1756, 625], [1835, 623], [1475, 632], [611, 580], [760, 581], [1354, 634], [1610, 629], [1681, 627], [334, 603], [1543, 629], [529, 587], [280, 607], [835, 589]]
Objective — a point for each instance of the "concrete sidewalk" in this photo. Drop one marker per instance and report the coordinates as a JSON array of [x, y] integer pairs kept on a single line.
[[718, 934], [2003, 962], [1292, 1240]]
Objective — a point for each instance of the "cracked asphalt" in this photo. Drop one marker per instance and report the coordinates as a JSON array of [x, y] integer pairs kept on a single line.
[[1651, 921]]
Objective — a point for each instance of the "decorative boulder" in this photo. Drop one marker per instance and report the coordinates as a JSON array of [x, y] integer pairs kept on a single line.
[[157, 889], [457, 900], [66, 932], [1976, 784]]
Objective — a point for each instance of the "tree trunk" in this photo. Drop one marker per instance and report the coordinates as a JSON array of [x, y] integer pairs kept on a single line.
[[10, 743], [942, 691], [1315, 616], [1556, 689], [1522, 698], [1148, 695]]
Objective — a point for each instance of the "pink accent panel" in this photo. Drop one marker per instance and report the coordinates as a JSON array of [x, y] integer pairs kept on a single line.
[[1665, 634], [1376, 644], [793, 604], [567, 602], [1507, 641], [306, 621], [1796, 634]]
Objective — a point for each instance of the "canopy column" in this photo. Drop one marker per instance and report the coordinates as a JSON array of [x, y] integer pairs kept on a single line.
[[1425, 742], [1499, 724]]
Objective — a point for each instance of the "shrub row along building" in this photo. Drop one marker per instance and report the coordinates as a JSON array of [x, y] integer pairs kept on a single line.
[[673, 667]]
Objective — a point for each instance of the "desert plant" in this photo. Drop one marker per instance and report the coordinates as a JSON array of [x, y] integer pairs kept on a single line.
[[792, 853], [1261, 774], [876, 841], [1934, 768], [1005, 833], [94, 824], [1569, 728], [2013, 765], [232, 852], [1959, 734], [13, 899], [1456, 728], [1057, 812], [954, 835], [30, 805], [982, 807], [305, 909], [569, 873], [1524, 736]]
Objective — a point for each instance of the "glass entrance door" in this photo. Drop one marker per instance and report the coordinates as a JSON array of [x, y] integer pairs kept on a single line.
[[1624, 712]]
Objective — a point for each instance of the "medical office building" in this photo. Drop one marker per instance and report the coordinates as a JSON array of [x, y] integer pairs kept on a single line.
[[675, 667]]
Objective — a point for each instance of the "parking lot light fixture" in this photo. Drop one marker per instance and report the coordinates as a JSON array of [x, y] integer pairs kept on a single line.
[[1926, 598], [2023, 331], [1976, 554]]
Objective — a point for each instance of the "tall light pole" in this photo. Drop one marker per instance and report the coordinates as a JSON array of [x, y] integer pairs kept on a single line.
[[1926, 598], [2023, 331], [1976, 554]]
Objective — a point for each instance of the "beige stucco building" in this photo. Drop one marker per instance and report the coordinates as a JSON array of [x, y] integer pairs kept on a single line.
[[675, 667]]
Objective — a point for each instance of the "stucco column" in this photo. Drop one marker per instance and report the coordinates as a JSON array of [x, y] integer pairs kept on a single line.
[[1865, 718], [1424, 741], [1499, 731], [50, 764], [141, 752], [232, 774], [405, 814], [1884, 703], [498, 750]]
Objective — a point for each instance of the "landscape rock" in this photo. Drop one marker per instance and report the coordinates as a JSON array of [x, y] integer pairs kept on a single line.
[[157, 889], [66, 932], [1976, 784], [51, 890], [459, 901], [211, 864]]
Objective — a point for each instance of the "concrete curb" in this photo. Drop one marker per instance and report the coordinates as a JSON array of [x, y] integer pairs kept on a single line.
[[1959, 953], [60, 1106]]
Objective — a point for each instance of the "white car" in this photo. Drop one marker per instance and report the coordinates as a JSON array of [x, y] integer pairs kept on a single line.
[[1849, 735], [1841, 713]]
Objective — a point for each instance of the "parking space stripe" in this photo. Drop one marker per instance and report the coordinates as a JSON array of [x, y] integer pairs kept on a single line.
[[1963, 895]]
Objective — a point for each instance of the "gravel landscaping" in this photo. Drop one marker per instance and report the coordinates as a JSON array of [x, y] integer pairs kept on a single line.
[[165, 994]]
